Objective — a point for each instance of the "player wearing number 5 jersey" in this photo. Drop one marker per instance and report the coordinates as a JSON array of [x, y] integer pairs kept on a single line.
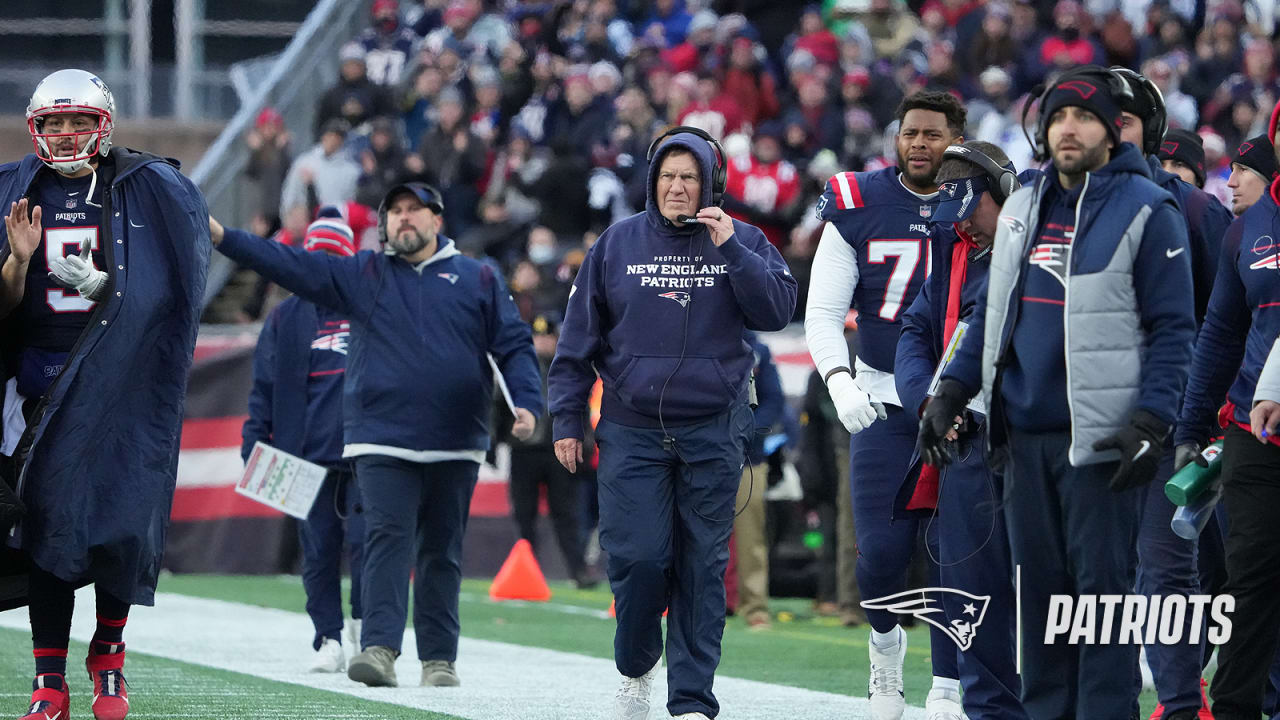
[[95, 358], [874, 253]]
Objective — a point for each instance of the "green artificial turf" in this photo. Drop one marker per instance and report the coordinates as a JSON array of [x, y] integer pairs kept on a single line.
[[801, 649], [161, 688]]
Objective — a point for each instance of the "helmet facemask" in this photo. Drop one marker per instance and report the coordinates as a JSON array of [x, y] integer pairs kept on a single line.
[[87, 143]]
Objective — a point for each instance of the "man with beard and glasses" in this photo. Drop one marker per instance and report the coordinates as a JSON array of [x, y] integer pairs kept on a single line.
[[416, 401], [1081, 355], [873, 255]]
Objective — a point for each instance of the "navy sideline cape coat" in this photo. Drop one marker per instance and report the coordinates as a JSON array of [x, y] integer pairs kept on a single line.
[[98, 463]]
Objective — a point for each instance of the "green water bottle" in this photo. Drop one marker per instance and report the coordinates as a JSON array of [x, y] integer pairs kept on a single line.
[[1190, 482]]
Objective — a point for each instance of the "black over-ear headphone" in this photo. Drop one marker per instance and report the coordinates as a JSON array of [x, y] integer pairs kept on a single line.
[[1003, 180], [1155, 126], [719, 173], [1117, 85]]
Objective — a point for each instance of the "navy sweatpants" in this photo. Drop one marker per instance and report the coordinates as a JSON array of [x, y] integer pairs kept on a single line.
[[1071, 535], [1169, 565], [415, 517], [879, 457], [322, 536], [974, 558], [666, 513]]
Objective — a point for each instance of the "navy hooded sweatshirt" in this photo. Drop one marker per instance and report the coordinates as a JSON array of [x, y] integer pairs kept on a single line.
[[659, 311]]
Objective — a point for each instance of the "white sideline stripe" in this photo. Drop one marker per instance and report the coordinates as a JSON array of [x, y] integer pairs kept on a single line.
[[500, 681]]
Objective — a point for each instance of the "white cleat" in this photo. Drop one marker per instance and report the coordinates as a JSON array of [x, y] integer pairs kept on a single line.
[[632, 700], [691, 716], [329, 658], [351, 636], [884, 690], [943, 705]]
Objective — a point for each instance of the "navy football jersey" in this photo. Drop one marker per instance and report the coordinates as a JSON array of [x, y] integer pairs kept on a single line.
[[888, 228], [50, 316]]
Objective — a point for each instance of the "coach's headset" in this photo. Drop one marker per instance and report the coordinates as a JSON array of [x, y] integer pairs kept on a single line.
[[1149, 99], [719, 173], [425, 193], [1116, 84], [1003, 180]]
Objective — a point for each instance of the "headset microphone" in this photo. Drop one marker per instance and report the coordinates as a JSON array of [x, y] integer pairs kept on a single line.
[[686, 219]]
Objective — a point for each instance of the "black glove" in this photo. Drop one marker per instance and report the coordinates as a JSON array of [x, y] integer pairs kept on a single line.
[[1186, 454], [11, 507], [1140, 446], [940, 418]]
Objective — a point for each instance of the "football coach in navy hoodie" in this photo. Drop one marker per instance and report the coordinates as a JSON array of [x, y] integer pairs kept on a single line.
[[658, 309], [416, 400]]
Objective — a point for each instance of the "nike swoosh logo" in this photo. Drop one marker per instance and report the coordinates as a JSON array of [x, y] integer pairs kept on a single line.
[[1173, 253], [1143, 451], [141, 226], [72, 195]]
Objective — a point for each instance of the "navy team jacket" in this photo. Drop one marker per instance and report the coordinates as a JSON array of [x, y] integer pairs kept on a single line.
[[417, 377]]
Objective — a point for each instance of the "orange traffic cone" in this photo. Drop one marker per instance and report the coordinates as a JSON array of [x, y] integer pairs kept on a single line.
[[520, 577]]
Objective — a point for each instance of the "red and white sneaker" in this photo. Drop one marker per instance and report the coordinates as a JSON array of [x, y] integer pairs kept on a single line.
[[49, 703], [110, 692]]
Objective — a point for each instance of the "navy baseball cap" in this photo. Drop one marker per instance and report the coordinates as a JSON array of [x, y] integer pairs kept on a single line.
[[959, 198], [428, 195]]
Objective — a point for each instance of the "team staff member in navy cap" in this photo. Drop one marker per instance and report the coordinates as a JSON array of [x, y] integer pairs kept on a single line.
[[973, 182], [659, 308], [416, 400], [296, 406], [1087, 340]]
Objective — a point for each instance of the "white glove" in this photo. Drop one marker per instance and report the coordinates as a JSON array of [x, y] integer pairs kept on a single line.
[[76, 272], [855, 408]]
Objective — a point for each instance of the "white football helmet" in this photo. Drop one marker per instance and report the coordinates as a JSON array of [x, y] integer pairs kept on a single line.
[[71, 91]]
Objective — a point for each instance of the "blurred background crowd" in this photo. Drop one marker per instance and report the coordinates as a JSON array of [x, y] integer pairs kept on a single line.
[[534, 117]]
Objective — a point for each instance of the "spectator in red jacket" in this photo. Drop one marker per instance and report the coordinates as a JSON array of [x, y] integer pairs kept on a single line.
[[764, 189], [816, 38], [712, 110], [1068, 46], [687, 56], [753, 88]]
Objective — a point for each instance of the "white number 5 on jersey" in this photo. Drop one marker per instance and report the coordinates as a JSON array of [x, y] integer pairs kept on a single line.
[[61, 242]]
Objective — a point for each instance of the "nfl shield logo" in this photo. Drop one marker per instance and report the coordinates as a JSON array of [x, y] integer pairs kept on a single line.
[[926, 211], [71, 203]]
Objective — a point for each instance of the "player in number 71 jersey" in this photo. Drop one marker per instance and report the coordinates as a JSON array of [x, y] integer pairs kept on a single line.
[[874, 252]]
